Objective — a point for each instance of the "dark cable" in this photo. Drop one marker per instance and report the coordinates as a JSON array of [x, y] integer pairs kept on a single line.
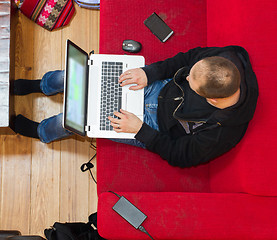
[[141, 228], [89, 166], [93, 146], [92, 176], [115, 194]]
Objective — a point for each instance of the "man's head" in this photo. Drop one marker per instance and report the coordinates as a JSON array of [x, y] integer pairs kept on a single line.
[[214, 77]]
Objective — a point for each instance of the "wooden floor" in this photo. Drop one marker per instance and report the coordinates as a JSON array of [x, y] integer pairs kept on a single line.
[[42, 183]]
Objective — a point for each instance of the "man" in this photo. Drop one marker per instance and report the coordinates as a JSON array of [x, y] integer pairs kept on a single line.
[[201, 113]]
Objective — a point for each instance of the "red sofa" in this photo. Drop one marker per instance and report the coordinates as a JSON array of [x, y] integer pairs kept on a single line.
[[231, 197]]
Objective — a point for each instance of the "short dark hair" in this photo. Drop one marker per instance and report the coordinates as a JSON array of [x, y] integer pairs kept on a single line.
[[221, 77]]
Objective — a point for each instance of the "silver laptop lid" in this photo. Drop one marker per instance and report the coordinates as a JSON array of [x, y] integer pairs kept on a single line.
[[75, 89]]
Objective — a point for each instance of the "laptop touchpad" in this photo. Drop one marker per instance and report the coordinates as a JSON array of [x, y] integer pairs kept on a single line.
[[134, 103]]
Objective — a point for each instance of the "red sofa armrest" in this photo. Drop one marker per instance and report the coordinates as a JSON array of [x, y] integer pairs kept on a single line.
[[192, 216]]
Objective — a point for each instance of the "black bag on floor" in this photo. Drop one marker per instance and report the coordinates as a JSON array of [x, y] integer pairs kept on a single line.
[[74, 231]]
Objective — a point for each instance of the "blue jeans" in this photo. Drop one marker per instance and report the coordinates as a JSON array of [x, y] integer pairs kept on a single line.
[[51, 129], [52, 82]]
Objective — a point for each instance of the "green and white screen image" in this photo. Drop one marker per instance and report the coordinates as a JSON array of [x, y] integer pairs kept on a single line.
[[76, 89]]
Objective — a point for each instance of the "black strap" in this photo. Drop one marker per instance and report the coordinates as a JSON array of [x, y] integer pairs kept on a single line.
[[50, 234], [89, 166], [92, 219]]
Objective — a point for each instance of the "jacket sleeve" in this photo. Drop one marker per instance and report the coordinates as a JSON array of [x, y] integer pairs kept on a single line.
[[166, 69], [186, 151]]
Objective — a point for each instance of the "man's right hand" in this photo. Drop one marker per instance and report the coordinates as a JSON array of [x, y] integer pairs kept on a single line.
[[134, 76]]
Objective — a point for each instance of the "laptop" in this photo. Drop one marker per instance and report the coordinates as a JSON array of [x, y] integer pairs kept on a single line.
[[92, 92]]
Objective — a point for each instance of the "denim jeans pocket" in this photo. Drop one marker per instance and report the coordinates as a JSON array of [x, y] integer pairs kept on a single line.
[[150, 115]]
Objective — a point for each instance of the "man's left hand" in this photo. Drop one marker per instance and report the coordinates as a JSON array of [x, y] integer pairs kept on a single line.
[[127, 122]]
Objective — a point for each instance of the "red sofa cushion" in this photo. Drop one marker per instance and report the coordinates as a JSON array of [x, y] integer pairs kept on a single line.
[[192, 216], [131, 169], [251, 167], [120, 20]]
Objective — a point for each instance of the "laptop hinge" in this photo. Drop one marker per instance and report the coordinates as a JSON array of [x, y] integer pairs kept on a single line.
[[90, 62], [87, 128]]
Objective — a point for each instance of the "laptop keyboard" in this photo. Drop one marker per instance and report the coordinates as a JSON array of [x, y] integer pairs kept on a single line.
[[111, 94]]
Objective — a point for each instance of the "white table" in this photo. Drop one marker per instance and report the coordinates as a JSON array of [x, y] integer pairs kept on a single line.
[[7, 40]]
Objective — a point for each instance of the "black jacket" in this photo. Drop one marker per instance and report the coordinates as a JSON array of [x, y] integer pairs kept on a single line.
[[191, 130]]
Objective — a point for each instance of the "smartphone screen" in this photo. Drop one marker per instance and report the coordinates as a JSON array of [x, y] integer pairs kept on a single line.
[[158, 27]]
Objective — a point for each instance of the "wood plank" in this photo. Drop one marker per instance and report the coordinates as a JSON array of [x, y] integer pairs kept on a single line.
[[95, 31], [45, 169], [93, 198], [15, 195], [74, 204], [94, 45], [16, 150], [74, 183], [45, 186], [24, 62]]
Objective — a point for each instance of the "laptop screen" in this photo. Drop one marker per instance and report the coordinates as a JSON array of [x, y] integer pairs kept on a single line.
[[76, 89]]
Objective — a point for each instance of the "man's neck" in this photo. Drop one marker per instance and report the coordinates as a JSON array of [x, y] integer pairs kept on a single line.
[[222, 103]]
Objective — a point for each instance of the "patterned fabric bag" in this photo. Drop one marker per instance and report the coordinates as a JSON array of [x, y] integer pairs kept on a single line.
[[50, 14]]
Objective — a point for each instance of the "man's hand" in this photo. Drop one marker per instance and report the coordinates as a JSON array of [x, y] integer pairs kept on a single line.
[[128, 122], [134, 76]]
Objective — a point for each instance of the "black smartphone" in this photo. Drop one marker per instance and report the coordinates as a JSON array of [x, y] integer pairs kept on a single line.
[[158, 27]]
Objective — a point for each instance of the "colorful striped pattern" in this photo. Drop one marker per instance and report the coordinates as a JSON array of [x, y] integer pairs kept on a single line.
[[50, 14]]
